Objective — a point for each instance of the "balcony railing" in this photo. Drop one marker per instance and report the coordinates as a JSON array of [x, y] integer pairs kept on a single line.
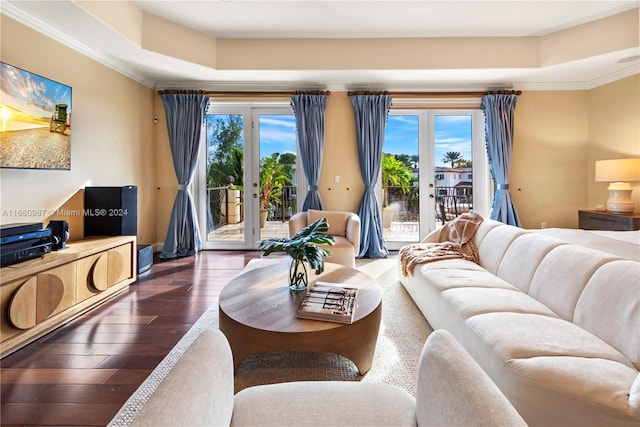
[[287, 207], [226, 205], [454, 201], [218, 207], [451, 202]]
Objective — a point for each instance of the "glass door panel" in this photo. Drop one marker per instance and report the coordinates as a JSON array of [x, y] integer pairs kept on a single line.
[[441, 151], [278, 166], [400, 177], [250, 166], [453, 149], [225, 201]]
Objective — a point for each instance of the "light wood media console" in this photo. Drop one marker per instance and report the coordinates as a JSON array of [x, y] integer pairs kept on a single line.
[[39, 295]]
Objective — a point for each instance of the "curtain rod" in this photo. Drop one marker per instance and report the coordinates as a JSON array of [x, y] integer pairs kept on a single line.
[[350, 93], [254, 93], [181, 91], [435, 94]]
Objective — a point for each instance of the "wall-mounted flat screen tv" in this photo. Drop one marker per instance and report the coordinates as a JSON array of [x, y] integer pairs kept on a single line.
[[35, 121]]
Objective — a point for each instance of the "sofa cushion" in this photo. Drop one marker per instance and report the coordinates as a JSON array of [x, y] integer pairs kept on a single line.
[[453, 391], [519, 336], [592, 382], [611, 242], [337, 220], [562, 276], [350, 404], [185, 397], [493, 245], [341, 252], [428, 282], [484, 228], [522, 258], [443, 279], [447, 264], [474, 301], [609, 307]]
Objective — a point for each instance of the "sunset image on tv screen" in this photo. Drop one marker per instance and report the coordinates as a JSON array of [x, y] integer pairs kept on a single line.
[[35, 121]]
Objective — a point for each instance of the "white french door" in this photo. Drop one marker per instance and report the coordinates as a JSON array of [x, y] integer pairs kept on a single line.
[[422, 139], [237, 141]]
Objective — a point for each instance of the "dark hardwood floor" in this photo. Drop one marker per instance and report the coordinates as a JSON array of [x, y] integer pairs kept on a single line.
[[82, 373]]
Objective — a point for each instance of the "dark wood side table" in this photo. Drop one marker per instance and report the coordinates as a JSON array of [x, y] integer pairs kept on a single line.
[[595, 220]]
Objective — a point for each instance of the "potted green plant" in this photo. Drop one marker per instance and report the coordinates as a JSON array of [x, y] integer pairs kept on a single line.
[[303, 248], [397, 174], [272, 179]]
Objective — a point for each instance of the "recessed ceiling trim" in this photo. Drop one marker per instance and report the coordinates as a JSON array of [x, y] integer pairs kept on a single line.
[[612, 77], [36, 24], [159, 71], [588, 85], [629, 59]]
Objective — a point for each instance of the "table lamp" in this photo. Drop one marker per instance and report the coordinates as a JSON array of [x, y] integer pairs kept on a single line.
[[619, 173]]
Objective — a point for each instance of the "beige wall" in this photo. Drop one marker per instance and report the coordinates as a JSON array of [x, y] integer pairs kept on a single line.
[[340, 157], [112, 142], [166, 180], [614, 132], [558, 136], [548, 172]]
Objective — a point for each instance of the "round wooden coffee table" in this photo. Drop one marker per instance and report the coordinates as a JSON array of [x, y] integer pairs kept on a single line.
[[258, 314]]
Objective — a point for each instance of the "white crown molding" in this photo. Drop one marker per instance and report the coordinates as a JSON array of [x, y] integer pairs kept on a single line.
[[14, 12], [587, 85], [551, 86], [618, 75]]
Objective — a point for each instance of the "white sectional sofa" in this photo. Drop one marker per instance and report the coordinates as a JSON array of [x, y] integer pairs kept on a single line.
[[555, 325], [452, 390]]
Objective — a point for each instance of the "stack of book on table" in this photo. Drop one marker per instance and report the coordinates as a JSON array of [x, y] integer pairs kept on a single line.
[[333, 302]]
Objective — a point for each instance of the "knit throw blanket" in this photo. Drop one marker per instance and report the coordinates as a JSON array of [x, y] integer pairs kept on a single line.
[[456, 241]]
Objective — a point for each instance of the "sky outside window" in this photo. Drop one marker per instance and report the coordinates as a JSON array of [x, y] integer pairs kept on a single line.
[[452, 133], [277, 134]]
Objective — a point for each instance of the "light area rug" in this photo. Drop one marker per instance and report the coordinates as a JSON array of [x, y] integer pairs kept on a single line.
[[403, 332]]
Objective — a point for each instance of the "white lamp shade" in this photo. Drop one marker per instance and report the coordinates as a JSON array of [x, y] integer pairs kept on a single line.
[[619, 170]]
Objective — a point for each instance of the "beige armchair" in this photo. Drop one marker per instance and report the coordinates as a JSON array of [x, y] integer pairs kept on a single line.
[[343, 226]]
